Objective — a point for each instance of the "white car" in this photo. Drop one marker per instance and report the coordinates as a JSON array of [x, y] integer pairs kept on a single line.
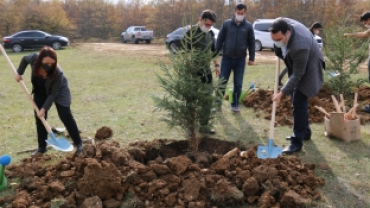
[[263, 38]]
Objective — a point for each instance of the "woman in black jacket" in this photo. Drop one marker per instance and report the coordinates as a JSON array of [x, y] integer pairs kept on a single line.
[[49, 85]]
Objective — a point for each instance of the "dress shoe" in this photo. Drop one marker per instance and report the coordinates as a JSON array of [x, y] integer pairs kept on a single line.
[[79, 149], [292, 148], [293, 137], [40, 150]]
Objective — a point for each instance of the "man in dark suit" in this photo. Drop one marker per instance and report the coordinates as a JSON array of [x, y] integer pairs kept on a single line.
[[298, 48]]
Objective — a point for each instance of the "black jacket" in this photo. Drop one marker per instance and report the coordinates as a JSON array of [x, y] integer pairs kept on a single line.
[[57, 89], [234, 39]]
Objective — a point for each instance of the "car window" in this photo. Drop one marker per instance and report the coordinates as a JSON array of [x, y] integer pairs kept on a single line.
[[24, 35], [143, 29], [264, 27], [38, 35], [137, 29]]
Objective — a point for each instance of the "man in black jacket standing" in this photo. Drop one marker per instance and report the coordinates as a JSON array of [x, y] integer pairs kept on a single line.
[[235, 37]]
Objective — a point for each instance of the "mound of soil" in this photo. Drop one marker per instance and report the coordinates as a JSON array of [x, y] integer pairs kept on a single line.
[[260, 101], [163, 174]]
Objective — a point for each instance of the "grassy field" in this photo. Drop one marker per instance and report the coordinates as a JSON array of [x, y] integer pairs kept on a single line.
[[114, 88]]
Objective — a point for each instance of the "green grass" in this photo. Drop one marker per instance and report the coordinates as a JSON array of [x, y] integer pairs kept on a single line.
[[114, 88]]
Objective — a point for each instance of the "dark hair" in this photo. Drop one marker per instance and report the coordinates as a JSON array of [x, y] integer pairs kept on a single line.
[[46, 51], [365, 16], [240, 7], [316, 25], [279, 25], [208, 14]]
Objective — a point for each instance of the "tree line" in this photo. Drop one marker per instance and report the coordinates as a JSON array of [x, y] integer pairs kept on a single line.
[[106, 19]]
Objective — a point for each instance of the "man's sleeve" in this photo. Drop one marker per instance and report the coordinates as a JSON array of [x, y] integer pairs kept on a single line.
[[300, 60], [251, 44]]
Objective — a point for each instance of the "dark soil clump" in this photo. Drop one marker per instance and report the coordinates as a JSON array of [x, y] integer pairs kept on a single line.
[[219, 175]]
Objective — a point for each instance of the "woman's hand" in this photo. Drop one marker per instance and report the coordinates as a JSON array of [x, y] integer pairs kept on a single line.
[[18, 77], [41, 113]]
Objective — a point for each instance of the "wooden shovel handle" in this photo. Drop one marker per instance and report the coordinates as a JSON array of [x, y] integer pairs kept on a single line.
[[322, 110], [335, 101], [48, 129], [272, 122]]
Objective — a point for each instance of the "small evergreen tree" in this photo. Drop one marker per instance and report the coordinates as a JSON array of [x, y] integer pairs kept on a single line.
[[343, 56], [186, 95]]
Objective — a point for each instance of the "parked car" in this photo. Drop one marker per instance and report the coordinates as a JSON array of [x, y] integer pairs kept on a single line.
[[31, 39], [174, 39], [263, 38], [137, 34]]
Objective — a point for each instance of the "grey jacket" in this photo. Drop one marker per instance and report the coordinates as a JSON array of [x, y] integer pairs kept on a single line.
[[304, 61], [234, 40], [57, 89]]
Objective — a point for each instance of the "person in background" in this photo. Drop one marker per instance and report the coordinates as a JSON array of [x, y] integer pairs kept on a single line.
[[301, 54], [49, 86], [315, 30], [201, 38], [365, 19], [234, 38]]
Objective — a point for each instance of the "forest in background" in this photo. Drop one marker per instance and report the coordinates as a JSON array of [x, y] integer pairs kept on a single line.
[[106, 19]]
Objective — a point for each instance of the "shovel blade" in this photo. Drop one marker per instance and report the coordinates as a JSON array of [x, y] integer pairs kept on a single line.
[[269, 151], [61, 144]]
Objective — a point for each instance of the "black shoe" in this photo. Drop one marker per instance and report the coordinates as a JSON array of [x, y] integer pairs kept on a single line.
[[40, 150], [292, 148], [79, 149], [293, 137], [366, 109]]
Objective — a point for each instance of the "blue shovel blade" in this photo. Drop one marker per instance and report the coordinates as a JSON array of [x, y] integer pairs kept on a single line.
[[61, 144], [269, 151]]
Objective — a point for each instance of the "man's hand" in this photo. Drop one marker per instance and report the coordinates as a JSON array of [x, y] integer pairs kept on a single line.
[[277, 97], [41, 113], [18, 77], [250, 62]]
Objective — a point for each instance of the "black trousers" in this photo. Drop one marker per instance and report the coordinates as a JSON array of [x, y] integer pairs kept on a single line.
[[65, 116]]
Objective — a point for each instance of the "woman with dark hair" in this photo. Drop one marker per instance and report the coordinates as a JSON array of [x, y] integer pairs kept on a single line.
[[316, 28], [49, 85]]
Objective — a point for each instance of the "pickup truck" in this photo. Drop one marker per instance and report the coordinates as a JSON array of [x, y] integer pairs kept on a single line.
[[137, 34]]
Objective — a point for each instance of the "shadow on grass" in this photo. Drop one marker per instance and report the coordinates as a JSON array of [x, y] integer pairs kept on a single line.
[[338, 191], [244, 133]]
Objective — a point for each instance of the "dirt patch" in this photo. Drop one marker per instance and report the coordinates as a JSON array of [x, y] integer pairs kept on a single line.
[[163, 173], [261, 102]]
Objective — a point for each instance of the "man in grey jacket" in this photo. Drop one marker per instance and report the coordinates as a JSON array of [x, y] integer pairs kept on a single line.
[[235, 37], [305, 62]]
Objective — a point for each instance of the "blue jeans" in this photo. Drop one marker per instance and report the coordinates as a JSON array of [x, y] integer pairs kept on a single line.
[[238, 65], [300, 115]]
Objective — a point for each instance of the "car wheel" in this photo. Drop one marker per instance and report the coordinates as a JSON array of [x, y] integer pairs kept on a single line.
[[123, 40], [148, 41], [17, 48], [258, 45], [56, 45], [173, 47], [134, 40]]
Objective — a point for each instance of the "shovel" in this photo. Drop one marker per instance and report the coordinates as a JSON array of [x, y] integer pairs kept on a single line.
[[61, 144], [271, 151]]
